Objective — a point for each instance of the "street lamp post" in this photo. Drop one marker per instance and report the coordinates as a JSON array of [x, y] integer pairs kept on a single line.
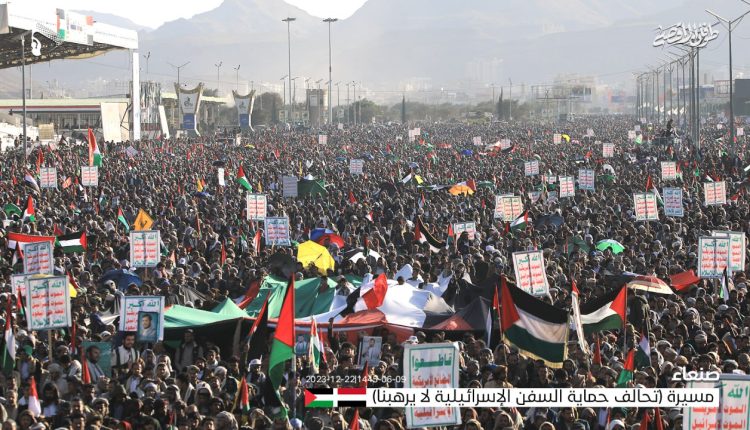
[[288, 22], [147, 57], [283, 82], [510, 100], [354, 89], [318, 100], [730, 25], [179, 85], [23, 93], [330, 78], [237, 71], [218, 76], [347, 103]]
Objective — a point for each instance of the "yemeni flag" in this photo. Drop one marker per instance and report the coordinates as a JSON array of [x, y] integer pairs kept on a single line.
[[335, 397], [121, 218], [643, 355], [259, 334], [242, 179], [9, 352], [33, 403], [626, 375], [538, 329], [520, 223], [257, 242], [19, 239], [372, 298], [315, 348], [282, 348], [31, 182], [29, 215], [243, 396], [606, 312], [422, 235], [95, 157], [72, 243]]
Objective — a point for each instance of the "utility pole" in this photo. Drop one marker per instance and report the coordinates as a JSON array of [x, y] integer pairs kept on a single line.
[[237, 71], [348, 106], [218, 79], [510, 100], [330, 73], [147, 56], [288, 22]]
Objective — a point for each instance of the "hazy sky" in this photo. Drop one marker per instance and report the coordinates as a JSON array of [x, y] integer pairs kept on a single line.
[[153, 13]]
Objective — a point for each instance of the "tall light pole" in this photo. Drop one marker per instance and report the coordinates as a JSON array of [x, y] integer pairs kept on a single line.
[[338, 95], [23, 93], [730, 24], [179, 85], [510, 100], [347, 103], [218, 76], [318, 100], [283, 82], [330, 78], [288, 22], [147, 56], [293, 94], [237, 71], [354, 89]]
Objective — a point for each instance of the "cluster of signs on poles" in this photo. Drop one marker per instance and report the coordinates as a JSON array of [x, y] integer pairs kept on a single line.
[[48, 177]]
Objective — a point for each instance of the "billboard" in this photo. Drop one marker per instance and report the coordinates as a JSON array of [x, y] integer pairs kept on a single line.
[[244, 105]]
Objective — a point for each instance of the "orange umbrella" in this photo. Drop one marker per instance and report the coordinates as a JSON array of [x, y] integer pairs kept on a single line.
[[460, 189]]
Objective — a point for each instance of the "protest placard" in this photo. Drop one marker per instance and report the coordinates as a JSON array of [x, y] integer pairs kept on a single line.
[[586, 179], [734, 404], [90, 176], [469, 227], [498, 213], [534, 196], [220, 177], [369, 350], [673, 202], [590, 132], [103, 366], [531, 168], [740, 131], [48, 302], [289, 186], [531, 275], [631, 134], [668, 170], [504, 144], [608, 150], [557, 138], [715, 193], [512, 207], [645, 207], [145, 248], [431, 365], [713, 256], [356, 166], [257, 207], [567, 186], [477, 140], [277, 231], [38, 258], [131, 306], [322, 139], [737, 248], [48, 177]]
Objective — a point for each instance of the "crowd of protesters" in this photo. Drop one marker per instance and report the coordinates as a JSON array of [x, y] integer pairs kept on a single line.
[[193, 383]]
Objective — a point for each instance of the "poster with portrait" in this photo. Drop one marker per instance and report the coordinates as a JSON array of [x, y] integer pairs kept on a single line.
[[369, 351], [148, 327], [99, 357], [132, 306]]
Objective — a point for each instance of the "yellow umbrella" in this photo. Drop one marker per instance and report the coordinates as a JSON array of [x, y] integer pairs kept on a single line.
[[460, 189], [310, 252]]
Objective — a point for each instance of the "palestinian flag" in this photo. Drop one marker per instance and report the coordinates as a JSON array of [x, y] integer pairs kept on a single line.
[[243, 397], [73, 242], [22, 239], [29, 214], [11, 209], [242, 179], [282, 348], [422, 235], [259, 334], [316, 348], [520, 223], [626, 375], [335, 397], [9, 351], [121, 218], [606, 312], [95, 157], [643, 355], [650, 188], [536, 328], [33, 402], [30, 181]]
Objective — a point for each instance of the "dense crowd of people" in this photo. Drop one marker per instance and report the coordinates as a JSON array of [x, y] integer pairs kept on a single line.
[[208, 255]]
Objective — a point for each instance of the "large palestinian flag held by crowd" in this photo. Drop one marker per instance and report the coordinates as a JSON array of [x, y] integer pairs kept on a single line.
[[606, 312], [539, 330]]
